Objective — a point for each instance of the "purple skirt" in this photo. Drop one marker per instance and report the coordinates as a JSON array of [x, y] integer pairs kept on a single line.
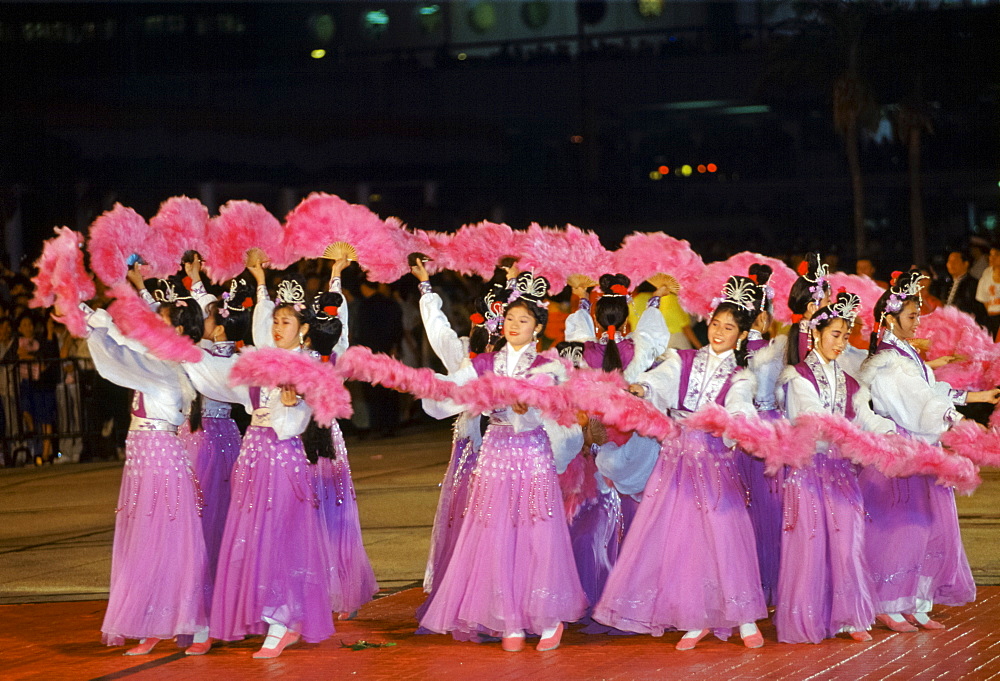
[[274, 561], [595, 535], [823, 584], [213, 451], [913, 545], [512, 566], [688, 561], [160, 583], [353, 580]]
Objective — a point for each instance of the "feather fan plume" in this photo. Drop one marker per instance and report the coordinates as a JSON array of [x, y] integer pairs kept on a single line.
[[178, 226], [642, 255], [700, 293], [557, 253], [475, 249], [953, 332], [114, 236], [137, 321], [62, 279], [240, 226]]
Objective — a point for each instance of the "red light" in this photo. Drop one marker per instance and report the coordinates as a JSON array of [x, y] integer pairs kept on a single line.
[[712, 167], [664, 170], [701, 168]]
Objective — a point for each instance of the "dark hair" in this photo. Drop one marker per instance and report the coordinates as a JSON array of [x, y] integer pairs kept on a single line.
[[879, 312], [799, 296], [744, 320], [612, 310], [963, 253], [238, 321], [479, 335], [761, 273], [540, 314], [325, 328], [571, 350]]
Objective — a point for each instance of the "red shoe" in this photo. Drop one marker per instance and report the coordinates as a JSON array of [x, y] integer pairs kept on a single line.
[[199, 648], [754, 640], [512, 644], [688, 643], [143, 648], [903, 627], [929, 624], [288, 639], [347, 615], [552, 642], [861, 636]]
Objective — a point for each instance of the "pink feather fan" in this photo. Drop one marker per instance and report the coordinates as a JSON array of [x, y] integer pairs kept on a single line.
[[179, 226], [116, 235], [318, 382], [240, 226], [431, 244], [136, 320], [62, 279], [557, 253], [476, 249], [699, 294], [642, 255], [864, 288], [953, 332], [322, 219]]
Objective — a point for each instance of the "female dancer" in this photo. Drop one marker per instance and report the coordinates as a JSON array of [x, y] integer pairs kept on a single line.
[[354, 583], [823, 588], [694, 499], [912, 544], [594, 508], [809, 292], [274, 563], [160, 583], [512, 571]]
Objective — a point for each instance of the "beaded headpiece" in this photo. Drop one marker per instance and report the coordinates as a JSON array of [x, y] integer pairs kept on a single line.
[[739, 291], [904, 285], [531, 288], [846, 307], [321, 310], [493, 313], [290, 292], [230, 302], [166, 292], [815, 273]]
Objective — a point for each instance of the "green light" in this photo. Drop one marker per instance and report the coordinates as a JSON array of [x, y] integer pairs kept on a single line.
[[377, 17], [749, 109], [702, 104], [429, 10]]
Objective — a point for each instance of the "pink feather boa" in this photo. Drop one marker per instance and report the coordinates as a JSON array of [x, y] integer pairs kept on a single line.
[[136, 320], [642, 255], [240, 226], [318, 382], [321, 219], [178, 226], [358, 363], [62, 279], [709, 284], [557, 253], [475, 249], [116, 235]]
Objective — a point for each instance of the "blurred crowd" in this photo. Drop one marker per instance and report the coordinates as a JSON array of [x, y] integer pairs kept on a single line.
[[56, 408]]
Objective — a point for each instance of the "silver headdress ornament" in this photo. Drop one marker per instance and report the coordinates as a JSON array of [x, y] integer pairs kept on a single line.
[[739, 291], [229, 302], [846, 307], [494, 312], [290, 292], [323, 313], [166, 293], [532, 288]]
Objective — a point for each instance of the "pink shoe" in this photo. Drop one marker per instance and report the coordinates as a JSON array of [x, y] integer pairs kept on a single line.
[[288, 639], [552, 642], [861, 636], [754, 640], [512, 644], [929, 624], [143, 648], [199, 648], [347, 615], [902, 627], [688, 643]]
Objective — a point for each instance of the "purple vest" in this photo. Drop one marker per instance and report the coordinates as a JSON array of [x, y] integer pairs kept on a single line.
[[849, 383], [593, 353], [483, 362], [687, 362]]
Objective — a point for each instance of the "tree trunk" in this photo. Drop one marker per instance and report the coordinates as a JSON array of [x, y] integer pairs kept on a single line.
[[917, 226], [857, 186]]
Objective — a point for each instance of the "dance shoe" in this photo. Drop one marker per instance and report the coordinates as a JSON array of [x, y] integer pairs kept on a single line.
[[929, 624], [347, 615], [861, 636], [512, 644], [552, 642], [754, 640], [689, 642], [199, 648], [144, 647], [903, 627], [288, 639]]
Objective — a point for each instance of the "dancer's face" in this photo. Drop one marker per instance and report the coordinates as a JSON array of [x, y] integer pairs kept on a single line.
[[520, 327], [832, 340], [908, 320], [723, 332], [286, 329]]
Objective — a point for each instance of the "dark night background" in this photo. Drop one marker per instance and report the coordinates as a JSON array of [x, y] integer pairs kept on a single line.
[[555, 112]]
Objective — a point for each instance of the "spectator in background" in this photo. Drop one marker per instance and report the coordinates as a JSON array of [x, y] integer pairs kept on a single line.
[[988, 292], [961, 292], [865, 269], [38, 375], [8, 400], [979, 256], [377, 324]]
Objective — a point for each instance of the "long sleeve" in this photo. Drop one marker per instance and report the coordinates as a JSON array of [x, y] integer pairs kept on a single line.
[[868, 419], [443, 409], [900, 393], [289, 421], [202, 296], [443, 340], [651, 338], [739, 399], [210, 377], [628, 466], [800, 396], [566, 442], [580, 326], [662, 383], [263, 316], [124, 366], [342, 315]]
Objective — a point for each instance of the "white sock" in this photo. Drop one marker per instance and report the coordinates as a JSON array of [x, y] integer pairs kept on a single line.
[[694, 633], [515, 634], [921, 617], [549, 632], [274, 634], [201, 636], [895, 617], [748, 629]]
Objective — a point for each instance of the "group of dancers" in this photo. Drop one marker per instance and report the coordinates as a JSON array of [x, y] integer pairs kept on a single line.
[[539, 524]]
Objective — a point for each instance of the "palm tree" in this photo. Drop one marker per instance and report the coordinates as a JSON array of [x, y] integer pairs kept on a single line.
[[912, 119]]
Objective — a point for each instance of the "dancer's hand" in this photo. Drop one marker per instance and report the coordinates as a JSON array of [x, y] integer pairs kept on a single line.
[[941, 361], [258, 272], [991, 396], [420, 271], [338, 266], [134, 277], [519, 408], [288, 396], [637, 390]]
